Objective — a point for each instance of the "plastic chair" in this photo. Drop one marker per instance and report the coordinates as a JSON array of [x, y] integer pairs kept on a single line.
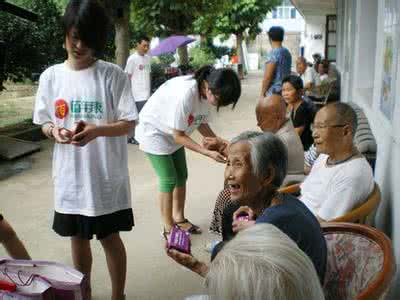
[[360, 262]]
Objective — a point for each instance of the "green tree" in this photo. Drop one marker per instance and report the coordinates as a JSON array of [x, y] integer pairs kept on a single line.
[[166, 17], [243, 16], [30, 46]]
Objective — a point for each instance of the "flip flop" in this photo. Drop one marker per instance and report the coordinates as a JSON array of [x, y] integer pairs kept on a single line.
[[193, 229]]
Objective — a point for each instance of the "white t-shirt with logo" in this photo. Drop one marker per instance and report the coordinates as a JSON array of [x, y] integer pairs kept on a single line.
[[138, 68], [176, 105], [92, 180], [332, 191]]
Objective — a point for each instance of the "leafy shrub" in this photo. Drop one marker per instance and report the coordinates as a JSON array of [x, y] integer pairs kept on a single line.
[[166, 59], [200, 56]]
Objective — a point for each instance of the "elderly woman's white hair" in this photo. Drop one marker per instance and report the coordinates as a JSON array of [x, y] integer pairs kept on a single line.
[[263, 263]]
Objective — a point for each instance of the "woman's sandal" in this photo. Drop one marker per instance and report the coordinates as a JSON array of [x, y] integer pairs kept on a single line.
[[193, 229], [164, 234]]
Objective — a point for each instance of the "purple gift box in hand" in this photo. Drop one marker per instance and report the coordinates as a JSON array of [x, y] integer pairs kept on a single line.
[[179, 240]]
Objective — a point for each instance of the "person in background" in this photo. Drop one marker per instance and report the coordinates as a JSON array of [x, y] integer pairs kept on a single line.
[[278, 64], [301, 112], [261, 262], [307, 74], [316, 61], [138, 68], [323, 70], [85, 105], [9, 239]]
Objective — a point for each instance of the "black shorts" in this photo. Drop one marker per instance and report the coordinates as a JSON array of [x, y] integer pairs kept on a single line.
[[85, 227]]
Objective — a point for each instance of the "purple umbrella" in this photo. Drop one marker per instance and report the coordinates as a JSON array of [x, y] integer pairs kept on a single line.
[[170, 44]]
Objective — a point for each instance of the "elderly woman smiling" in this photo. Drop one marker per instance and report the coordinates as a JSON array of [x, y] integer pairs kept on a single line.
[[256, 167]]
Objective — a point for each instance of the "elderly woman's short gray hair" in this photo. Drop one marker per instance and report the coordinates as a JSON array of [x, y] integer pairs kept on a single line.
[[267, 150], [262, 262]]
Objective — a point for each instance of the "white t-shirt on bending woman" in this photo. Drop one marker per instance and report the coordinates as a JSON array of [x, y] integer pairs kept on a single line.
[[92, 180], [176, 105], [332, 191]]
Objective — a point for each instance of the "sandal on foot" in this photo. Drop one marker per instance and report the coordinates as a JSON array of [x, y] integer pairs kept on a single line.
[[165, 234], [193, 229]]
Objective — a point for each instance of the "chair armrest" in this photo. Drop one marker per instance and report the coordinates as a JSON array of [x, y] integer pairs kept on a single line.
[[291, 189]]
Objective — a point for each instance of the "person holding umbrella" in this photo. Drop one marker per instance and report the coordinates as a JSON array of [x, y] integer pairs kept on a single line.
[[180, 106]]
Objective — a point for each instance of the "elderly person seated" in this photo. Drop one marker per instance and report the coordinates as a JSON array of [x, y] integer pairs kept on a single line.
[[307, 74], [271, 117], [261, 262], [341, 177], [301, 112], [256, 167], [323, 70]]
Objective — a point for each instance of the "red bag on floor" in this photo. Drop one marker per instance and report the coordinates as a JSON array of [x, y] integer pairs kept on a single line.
[[22, 286], [66, 283]]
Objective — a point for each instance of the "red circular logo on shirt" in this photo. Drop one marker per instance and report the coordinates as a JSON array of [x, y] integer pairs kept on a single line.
[[141, 67], [61, 108], [190, 119]]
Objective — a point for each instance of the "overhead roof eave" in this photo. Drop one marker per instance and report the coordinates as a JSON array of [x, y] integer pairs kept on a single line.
[[18, 11], [315, 7]]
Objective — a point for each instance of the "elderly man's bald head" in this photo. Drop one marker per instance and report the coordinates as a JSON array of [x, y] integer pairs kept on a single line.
[[271, 113]]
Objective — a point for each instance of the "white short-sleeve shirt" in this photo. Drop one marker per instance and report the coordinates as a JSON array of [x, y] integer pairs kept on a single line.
[[331, 191], [138, 68], [176, 105], [92, 180]]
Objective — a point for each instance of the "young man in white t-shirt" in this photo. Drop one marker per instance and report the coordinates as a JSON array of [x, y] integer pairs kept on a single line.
[[341, 178], [138, 68]]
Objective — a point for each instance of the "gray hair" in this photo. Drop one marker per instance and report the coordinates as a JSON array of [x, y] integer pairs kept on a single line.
[[261, 262], [345, 114], [266, 150]]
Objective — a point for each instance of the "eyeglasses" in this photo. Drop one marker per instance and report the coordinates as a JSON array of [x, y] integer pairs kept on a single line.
[[324, 126]]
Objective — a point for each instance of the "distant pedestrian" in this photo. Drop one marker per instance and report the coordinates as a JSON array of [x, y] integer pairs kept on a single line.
[[138, 68], [278, 64], [85, 105]]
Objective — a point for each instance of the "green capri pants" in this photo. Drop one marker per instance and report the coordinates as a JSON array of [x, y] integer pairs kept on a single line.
[[171, 169]]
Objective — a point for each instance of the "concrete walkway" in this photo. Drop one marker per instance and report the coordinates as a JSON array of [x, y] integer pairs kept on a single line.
[[26, 201]]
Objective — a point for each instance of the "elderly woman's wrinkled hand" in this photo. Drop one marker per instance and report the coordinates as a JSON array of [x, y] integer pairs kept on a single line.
[[188, 261], [244, 210], [238, 225]]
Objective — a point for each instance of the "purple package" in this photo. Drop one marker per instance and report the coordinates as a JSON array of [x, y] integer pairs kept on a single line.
[[242, 218], [179, 240]]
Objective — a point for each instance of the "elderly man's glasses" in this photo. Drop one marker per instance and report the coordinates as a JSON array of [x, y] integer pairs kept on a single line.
[[324, 126]]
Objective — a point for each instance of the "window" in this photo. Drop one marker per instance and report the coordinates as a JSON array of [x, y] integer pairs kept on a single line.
[[274, 13], [293, 13], [330, 41]]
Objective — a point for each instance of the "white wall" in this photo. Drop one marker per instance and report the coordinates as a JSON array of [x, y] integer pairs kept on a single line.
[[361, 32], [290, 25], [315, 25]]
